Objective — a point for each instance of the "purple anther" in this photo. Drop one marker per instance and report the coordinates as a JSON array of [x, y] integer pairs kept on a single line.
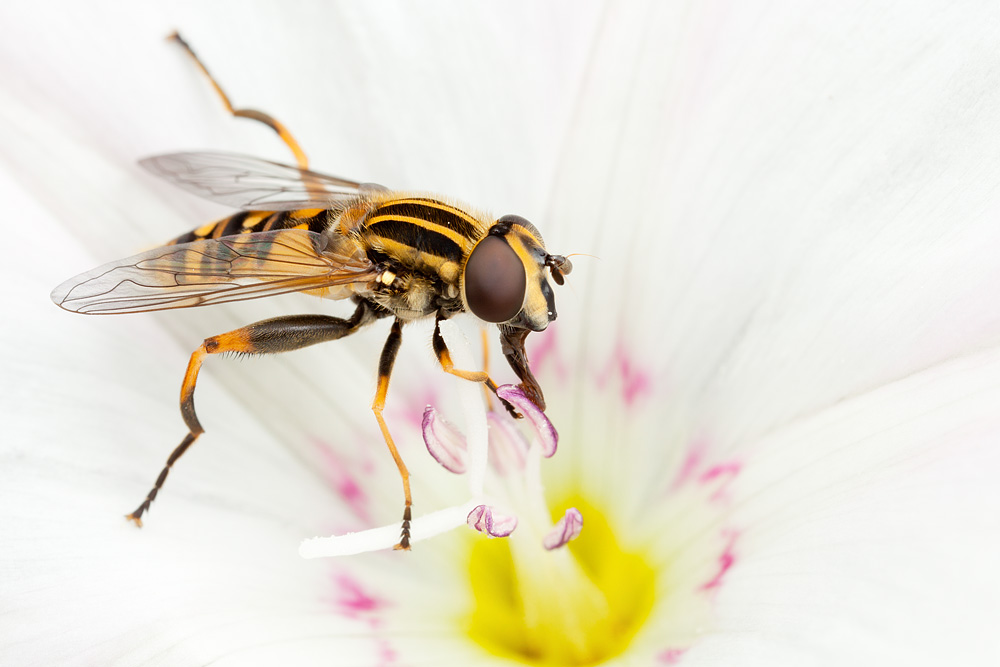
[[566, 529], [444, 442], [546, 432], [483, 519]]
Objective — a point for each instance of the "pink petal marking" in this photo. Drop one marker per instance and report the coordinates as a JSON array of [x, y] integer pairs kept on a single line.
[[444, 442], [543, 427], [409, 410], [352, 600], [338, 475], [483, 519], [566, 529], [695, 469], [508, 448], [635, 381], [691, 463], [545, 348], [722, 475], [726, 560], [387, 655], [671, 656]]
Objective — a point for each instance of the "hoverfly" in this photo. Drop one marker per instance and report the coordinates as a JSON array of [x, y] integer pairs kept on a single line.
[[398, 255]]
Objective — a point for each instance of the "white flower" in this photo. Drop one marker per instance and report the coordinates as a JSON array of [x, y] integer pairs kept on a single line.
[[776, 389]]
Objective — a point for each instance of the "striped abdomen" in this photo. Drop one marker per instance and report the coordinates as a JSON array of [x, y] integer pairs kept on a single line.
[[314, 219], [421, 234]]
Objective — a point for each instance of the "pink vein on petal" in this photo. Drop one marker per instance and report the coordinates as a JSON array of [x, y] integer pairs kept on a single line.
[[635, 382], [337, 473], [672, 656], [692, 462], [352, 601], [723, 475], [387, 655], [412, 408], [546, 350], [726, 560]]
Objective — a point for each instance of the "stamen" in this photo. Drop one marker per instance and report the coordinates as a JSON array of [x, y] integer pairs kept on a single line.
[[547, 436], [483, 519], [444, 442], [508, 448], [375, 539], [566, 529]]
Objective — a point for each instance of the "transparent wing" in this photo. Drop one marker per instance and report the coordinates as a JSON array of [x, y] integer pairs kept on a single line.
[[213, 271], [250, 183]]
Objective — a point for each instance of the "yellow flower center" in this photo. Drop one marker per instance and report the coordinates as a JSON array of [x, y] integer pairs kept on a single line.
[[578, 605]]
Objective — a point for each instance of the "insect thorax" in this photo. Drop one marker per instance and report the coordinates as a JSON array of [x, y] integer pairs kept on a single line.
[[421, 244]]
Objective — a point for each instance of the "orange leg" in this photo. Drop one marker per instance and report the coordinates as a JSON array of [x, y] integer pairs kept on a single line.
[[252, 114], [385, 364], [444, 358], [486, 365], [280, 334]]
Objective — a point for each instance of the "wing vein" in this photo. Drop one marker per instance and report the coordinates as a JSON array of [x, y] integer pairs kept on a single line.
[[211, 271]]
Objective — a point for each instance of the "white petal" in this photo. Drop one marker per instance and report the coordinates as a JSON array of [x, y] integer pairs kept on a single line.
[[872, 533], [794, 217], [794, 209], [784, 221]]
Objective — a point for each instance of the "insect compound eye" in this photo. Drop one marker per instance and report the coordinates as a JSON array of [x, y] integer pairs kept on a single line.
[[495, 281], [508, 221]]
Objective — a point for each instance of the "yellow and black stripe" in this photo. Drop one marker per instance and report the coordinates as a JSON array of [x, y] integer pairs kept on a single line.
[[419, 234], [422, 234], [246, 222]]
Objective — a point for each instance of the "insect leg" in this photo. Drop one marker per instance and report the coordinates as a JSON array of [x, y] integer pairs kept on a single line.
[[385, 363], [444, 358], [280, 334], [486, 361], [253, 114]]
